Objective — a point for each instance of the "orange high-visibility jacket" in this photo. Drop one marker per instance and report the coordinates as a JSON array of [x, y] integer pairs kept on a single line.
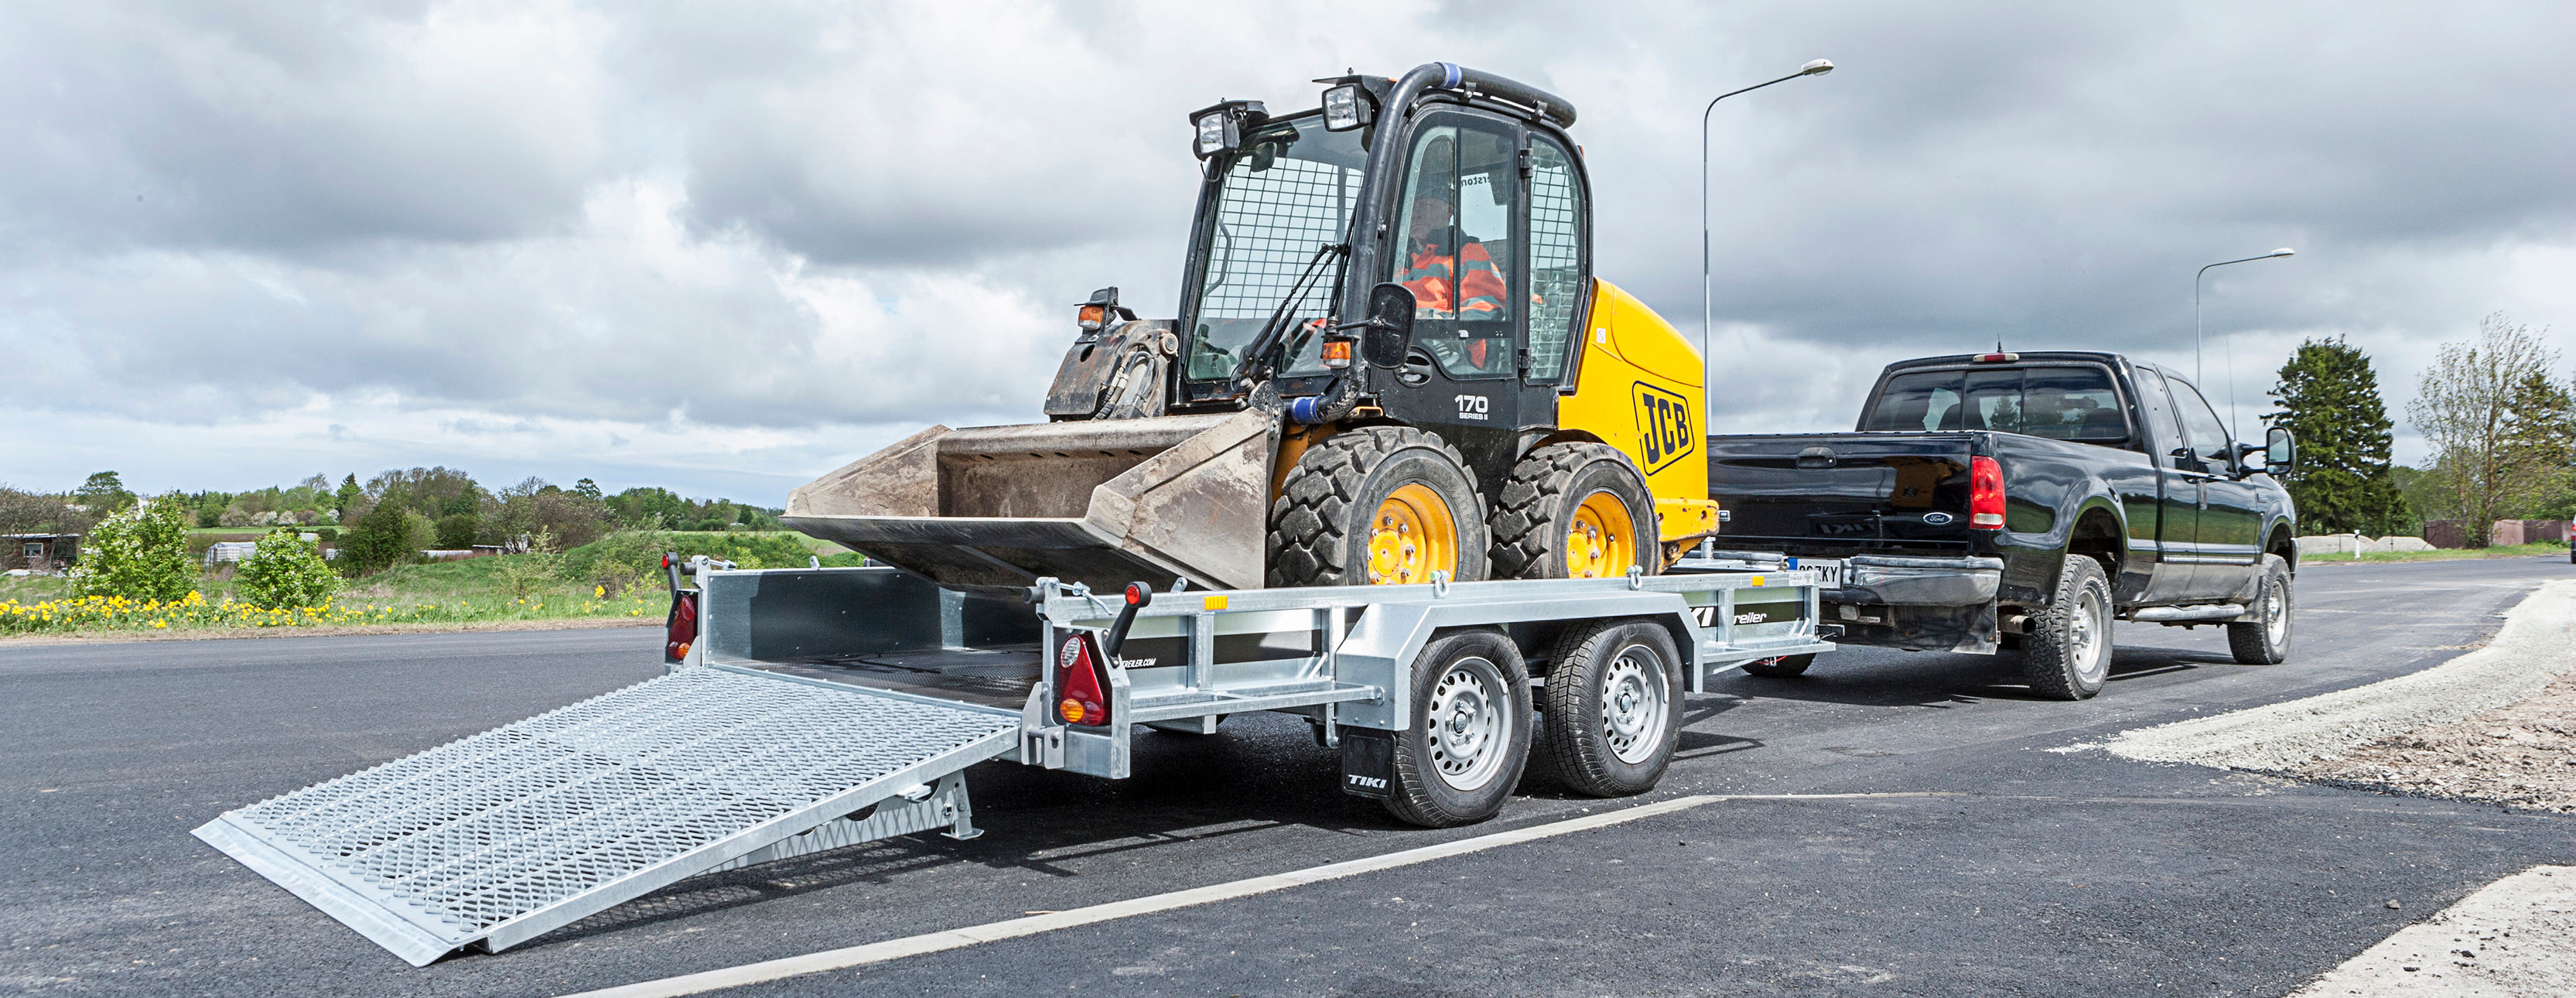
[[1467, 286]]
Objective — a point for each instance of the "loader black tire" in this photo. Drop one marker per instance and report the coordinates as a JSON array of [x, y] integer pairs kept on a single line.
[[1542, 502], [1319, 525], [2067, 654], [1467, 735], [2265, 640], [1613, 705]]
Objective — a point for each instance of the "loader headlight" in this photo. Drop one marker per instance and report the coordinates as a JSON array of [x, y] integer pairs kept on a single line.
[[1346, 107], [1222, 127]]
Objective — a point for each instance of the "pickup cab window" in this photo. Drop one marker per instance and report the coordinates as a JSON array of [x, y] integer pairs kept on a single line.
[[2060, 403], [2206, 436]]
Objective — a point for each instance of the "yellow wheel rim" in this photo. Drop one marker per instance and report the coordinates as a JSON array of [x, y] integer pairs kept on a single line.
[[1411, 536], [1602, 541]]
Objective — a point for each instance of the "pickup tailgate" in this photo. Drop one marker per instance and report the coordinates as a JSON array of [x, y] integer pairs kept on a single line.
[[1840, 494]]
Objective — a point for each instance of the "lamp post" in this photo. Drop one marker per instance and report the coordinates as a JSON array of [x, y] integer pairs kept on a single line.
[[2196, 372], [1814, 67]]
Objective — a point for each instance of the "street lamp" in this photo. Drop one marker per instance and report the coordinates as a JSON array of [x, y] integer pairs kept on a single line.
[[1814, 67], [2196, 372]]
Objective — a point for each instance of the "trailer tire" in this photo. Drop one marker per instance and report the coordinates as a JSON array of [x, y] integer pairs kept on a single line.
[[1467, 737], [1321, 529], [1564, 488], [1779, 665], [2067, 654], [1613, 706], [2265, 640]]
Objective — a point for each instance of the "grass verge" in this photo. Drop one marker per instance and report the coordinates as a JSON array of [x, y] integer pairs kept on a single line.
[[2438, 554]]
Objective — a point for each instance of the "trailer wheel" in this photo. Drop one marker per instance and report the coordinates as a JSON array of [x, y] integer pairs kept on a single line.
[[1377, 505], [1459, 759], [1575, 511], [2265, 640], [1613, 707], [1779, 665], [2067, 654]]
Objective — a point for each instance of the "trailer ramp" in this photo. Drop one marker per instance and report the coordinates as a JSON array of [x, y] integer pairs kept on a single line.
[[497, 838]]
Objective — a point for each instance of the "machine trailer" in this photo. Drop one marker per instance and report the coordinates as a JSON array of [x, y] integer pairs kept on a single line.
[[827, 707]]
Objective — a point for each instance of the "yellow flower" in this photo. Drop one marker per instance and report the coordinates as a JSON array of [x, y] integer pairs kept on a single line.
[[160, 623], [599, 591]]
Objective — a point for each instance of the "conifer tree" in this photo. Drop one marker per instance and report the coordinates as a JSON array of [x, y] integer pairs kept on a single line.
[[2329, 400]]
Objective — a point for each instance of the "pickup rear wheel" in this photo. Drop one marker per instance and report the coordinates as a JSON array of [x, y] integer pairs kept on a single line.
[[2067, 654], [1613, 706], [1779, 665], [2265, 640], [1575, 510], [1459, 759]]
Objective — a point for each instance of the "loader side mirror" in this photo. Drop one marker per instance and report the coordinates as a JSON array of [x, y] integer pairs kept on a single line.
[[2280, 451], [1388, 331]]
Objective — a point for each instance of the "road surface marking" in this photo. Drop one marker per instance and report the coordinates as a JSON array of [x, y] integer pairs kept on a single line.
[[933, 942]]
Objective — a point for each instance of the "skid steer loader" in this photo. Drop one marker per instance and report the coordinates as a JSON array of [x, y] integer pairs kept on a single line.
[[1391, 363]]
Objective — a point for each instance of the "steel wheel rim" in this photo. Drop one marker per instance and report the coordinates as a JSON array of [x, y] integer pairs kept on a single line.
[[2084, 634], [1601, 543], [1411, 535], [2276, 614], [1465, 725], [1634, 704]]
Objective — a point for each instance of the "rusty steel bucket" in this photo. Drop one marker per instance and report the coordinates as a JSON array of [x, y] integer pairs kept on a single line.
[[1103, 502]]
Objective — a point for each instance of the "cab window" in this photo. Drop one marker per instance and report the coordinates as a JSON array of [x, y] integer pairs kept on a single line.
[[1454, 231], [1555, 257]]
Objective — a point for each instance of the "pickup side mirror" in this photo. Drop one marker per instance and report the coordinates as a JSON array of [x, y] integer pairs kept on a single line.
[[1388, 331], [2280, 451]]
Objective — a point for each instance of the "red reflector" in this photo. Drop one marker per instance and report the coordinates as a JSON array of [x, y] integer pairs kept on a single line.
[[681, 628], [1985, 494], [1081, 681], [1997, 358]]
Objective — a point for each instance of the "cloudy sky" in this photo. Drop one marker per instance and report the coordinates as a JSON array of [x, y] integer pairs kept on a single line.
[[727, 247]]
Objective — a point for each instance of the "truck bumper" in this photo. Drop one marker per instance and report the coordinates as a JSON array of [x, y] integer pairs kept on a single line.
[[1883, 580]]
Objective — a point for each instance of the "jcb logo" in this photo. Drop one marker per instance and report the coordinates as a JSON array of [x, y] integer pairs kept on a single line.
[[1663, 427], [1473, 406]]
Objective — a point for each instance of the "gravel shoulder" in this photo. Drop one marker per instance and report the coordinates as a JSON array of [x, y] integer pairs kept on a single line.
[[2510, 939]]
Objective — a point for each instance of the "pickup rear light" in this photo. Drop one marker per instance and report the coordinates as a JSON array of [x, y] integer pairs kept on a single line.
[[1985, 494], [1997, 358], [1082, 681], [680, 629]]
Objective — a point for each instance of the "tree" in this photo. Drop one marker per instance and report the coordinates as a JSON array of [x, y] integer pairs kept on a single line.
[[103, 493], [2539, 447], [2329, 399], [284, 573], [348, 496], [588, 489], [381, 540], [140, 554], [456, 530], [2464, 405]]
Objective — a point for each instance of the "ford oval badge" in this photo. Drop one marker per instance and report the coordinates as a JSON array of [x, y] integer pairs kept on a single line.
[[1938, 519]]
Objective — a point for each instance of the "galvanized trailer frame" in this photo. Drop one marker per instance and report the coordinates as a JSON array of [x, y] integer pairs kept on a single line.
[[731, 758]]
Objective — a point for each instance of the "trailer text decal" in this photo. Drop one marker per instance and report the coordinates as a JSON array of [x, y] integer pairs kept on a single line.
[[1663, 427]]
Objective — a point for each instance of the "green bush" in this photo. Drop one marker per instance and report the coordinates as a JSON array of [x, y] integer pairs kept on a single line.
[[633, 557], [284, 573], [379, 541], [140, 554], [456, 530]]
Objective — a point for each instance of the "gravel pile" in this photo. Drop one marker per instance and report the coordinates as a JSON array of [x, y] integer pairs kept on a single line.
[[2522, 754]]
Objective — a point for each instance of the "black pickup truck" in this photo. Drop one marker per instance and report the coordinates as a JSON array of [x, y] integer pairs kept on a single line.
[[2022, 501]]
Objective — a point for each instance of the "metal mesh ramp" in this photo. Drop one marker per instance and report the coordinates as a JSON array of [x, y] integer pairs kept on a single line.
[[499, 837]]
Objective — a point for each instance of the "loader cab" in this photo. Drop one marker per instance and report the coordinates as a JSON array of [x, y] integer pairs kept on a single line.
[[1479, 207]]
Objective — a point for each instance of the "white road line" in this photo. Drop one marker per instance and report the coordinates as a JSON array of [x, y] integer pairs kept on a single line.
[[933, 942]]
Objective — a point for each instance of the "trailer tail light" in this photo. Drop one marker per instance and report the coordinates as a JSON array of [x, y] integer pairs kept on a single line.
[[1082, 681], [680, 629], [1985, 494]]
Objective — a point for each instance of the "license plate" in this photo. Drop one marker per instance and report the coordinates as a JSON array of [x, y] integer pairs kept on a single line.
[[1829, 571]]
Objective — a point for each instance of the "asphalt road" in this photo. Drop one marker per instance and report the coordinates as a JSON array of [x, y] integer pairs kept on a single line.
[[2035, 872]]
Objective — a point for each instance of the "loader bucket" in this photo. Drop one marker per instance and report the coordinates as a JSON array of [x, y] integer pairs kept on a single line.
[[1103, 502]]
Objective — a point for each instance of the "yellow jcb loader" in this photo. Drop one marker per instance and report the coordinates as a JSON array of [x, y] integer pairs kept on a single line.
[[1392, 362]]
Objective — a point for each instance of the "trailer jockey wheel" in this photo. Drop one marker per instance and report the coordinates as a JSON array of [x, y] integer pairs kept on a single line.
[[1613, 706], [1575, 511], [1378, 505], [1469, 737]]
